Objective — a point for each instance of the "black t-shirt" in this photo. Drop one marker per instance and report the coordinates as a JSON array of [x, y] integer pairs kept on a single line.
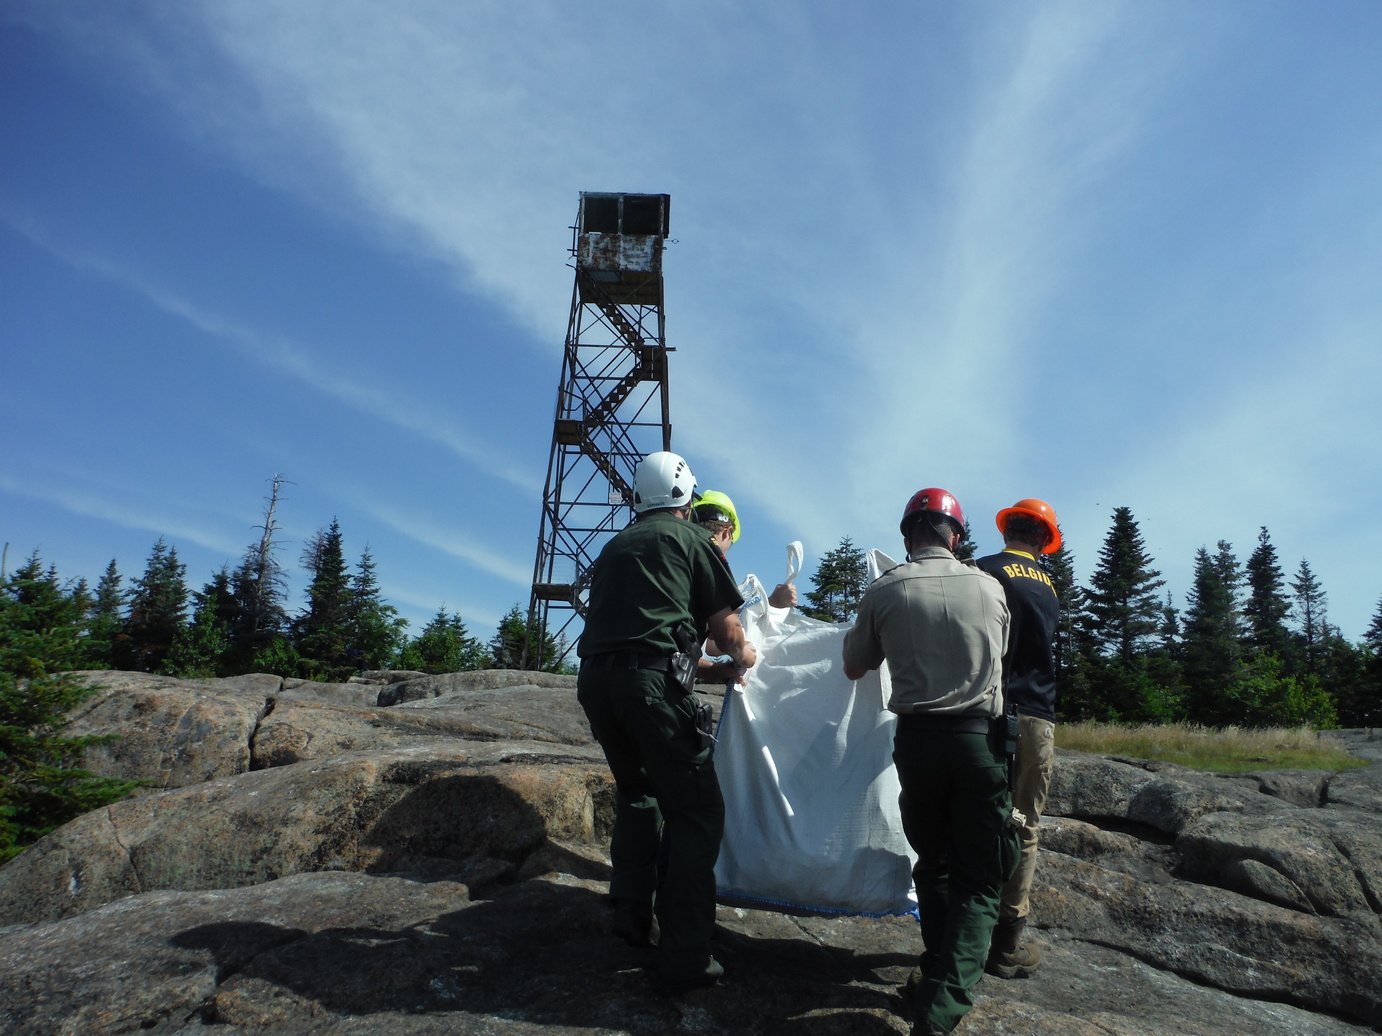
[[1029, 667]]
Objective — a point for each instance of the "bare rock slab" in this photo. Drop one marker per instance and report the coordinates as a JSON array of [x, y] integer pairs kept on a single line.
[[457, 804]]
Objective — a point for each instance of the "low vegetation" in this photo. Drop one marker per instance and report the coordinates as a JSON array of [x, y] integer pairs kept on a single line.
[[1215, 749]]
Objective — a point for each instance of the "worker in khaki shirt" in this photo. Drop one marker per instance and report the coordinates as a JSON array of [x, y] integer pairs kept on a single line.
[[942, 627]]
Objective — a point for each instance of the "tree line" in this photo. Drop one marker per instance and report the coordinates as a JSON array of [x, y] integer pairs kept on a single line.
[[1251, 647], [239, 622]]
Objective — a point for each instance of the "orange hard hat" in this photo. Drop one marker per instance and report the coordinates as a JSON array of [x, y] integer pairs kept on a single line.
[[1042, 512]]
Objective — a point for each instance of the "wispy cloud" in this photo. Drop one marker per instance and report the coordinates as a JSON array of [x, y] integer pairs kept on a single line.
[[448, 540], [975, 245], [286, 357], [91, 505]]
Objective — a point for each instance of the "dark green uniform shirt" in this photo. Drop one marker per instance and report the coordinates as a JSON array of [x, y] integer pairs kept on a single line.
[[660, 571]]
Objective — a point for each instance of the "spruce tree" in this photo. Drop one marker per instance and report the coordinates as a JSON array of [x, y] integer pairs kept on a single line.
[[1060, 566], [1369, 711], [158, 610], [1169, 631], [1344, 676], [39, 605], [322, 631], [1266, 608], [375, 631], [41, 786], [1071, 643], [1311, 610], [1372, 637], [1213, 635], [258, 590], [444, 646], [106, 621], [840, 581], [202, 648], [514, 643], [964, 550], [1122, 599]]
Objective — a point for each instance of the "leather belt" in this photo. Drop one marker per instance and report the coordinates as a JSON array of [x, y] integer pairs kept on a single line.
[[629, 660], [946, 724]]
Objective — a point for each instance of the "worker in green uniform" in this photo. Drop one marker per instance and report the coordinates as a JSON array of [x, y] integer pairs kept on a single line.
[[657, 589], [714, 512]]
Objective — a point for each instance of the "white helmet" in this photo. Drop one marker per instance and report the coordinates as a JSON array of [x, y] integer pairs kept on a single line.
[[662, 480]]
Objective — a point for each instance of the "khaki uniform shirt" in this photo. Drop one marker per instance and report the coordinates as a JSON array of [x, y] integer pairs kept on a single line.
[[942, 626]]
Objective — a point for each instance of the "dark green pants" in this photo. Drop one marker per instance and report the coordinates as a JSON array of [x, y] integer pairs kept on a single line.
[[665, 788], [954, 806]]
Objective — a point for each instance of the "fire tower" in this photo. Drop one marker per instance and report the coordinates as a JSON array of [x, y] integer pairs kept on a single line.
[[611, 404]]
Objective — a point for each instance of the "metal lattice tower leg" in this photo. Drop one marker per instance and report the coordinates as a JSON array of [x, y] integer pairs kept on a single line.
[[612, 405]]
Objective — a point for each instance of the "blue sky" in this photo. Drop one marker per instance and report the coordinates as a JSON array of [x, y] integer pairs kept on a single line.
[[1108, 254]]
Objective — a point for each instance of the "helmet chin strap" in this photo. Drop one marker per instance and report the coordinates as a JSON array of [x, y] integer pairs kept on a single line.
[[944, 529]]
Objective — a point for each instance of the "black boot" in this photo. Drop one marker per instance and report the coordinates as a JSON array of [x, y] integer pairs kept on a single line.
[[676, 985], [634, 923]]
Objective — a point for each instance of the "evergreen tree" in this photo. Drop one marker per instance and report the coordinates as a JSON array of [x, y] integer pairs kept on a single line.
[[375, 630], [106, 621], [1373, 636], [1060, 566], [514, 639], [964, 550], [1071, 640], [840, 581], [279, 657], [1122, 600], [1343, 674], [1311, 616], [39, 606], [201, 648], [444, 646], [1213, 635], [1368, 711], [258, 590], [1266, 608], [1169, 631], [322, 631], [41, 633], [158, 610]]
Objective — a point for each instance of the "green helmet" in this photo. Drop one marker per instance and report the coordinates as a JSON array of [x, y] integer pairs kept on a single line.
[[715, 506]]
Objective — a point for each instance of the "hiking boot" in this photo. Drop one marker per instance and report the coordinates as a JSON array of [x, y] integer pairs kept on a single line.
[[927, 1029], [634, 923], [1009, 956], [928, 960], [686, 983]]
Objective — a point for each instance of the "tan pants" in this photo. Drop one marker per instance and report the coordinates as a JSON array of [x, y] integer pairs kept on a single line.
[[1036, 757]]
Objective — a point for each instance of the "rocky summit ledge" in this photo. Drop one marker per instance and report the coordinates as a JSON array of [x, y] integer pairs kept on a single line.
[[407, 854]]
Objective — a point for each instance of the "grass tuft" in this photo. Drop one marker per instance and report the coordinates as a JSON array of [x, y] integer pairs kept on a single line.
[[1216, 749]]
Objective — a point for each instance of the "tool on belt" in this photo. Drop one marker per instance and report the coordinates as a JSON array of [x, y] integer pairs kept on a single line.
[[684, 664], [1011, 733]]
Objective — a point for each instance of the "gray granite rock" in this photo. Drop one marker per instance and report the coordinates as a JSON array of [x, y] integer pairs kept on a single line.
[[475, 804], [408, 854]]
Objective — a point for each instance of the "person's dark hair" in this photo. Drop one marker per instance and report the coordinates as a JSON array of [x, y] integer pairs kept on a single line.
[[1028, 530], [714, 526], [931, 529]]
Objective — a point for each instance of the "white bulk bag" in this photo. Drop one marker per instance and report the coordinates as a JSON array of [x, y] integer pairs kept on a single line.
[[804, 759]]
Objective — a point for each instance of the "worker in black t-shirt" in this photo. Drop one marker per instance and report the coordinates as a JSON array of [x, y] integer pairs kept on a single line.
[[1029, 529]]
